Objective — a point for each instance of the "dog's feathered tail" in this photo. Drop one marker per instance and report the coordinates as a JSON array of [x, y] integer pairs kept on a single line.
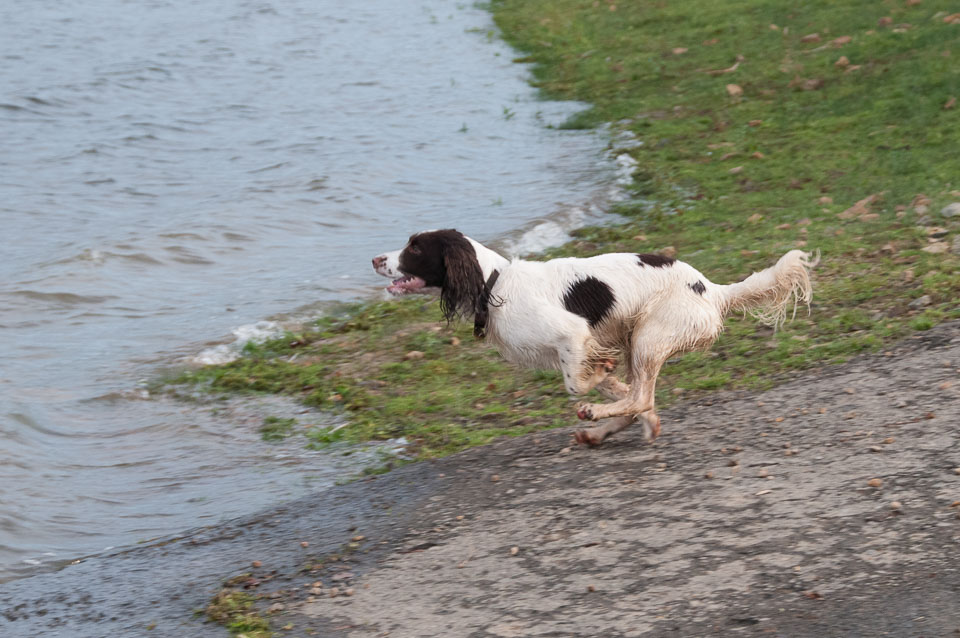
[[767, 294]]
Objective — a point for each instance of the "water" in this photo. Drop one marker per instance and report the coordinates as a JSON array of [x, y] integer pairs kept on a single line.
[[171, 171]]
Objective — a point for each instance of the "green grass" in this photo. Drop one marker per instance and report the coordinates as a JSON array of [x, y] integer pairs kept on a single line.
[[235, 611], [825, 137]]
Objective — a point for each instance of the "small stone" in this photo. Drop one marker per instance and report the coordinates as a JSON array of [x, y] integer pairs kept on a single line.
[[454, 341], [734, 90], [413, 354], [849, 390], [875, 482], [495, 478], [885, 21], [304, 544], [708, 475], [566, 450], [668, 251], [275, 607], [358, 538], [334, 592], [754, 122], [762, 473], [896, 505], [256, 563], [758, 155], [945, 385], [936, 248], [823, 201], [951, 210], [842, 62], [591, 588], [956, 470], [349, 591], [460, 517], [753, 219], [316, 591], [921, 302], [514, 551], [888, 440], [680, 50], [811, 37], [735, 170], [842, 40]]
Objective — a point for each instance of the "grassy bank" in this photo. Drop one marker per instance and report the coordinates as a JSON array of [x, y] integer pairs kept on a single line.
[[764, 127]]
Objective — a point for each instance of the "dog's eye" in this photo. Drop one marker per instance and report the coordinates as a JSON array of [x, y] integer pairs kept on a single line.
[[413, 248]]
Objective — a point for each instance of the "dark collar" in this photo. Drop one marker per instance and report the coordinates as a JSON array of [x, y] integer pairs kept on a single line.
[[480, 319]]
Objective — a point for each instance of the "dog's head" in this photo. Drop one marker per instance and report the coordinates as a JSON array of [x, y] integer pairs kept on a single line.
[[443, 259]]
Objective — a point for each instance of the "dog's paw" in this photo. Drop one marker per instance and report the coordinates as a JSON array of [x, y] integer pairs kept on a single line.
[[651, 429], [586, 437], [585, 412]]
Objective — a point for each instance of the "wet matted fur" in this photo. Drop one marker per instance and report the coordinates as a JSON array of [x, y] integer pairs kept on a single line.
[[583, 315]]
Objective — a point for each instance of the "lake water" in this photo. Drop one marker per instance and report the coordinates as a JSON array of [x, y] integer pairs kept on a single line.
[[171, 172]]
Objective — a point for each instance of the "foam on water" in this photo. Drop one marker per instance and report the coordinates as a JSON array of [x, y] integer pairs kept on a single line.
[[227, 352]]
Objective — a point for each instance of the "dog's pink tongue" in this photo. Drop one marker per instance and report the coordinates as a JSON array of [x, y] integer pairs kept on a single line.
[[405, 284]]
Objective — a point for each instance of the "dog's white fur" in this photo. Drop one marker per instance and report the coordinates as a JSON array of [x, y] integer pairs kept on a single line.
[[656, 313]]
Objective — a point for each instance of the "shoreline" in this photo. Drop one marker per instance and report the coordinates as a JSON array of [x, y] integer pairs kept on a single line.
[[871, 294], [753, 513]]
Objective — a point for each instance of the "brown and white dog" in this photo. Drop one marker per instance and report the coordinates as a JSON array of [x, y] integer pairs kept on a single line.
[[580, 316]]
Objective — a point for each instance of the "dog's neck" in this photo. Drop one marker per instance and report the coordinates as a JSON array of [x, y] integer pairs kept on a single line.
[[488, 259]]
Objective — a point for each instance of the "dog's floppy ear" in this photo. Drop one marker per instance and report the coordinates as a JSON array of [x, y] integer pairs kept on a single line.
[[462, 290]]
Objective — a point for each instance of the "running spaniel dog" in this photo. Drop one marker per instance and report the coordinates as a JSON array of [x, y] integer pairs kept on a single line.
[[581, 315]]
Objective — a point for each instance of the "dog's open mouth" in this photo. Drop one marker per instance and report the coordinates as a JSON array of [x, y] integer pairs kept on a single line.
[[406, 284]]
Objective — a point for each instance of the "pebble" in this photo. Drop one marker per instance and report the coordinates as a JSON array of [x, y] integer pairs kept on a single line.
[[413, 354], [454, 341], [591, 588], [358, 538], [763, 473], [495, 478], [275, 607], [889, 440], [304, 544], [257, 563], [708, 475], [875, 482], [565, 450], [514, 551], [951, 210], [349, 591], [896, 505], [334, 592], [956, 470], [921, 302]]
